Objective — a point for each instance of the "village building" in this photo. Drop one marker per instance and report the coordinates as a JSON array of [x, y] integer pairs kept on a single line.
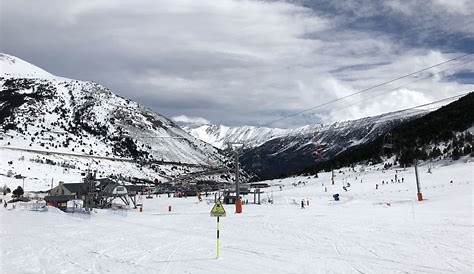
[[62, 193]]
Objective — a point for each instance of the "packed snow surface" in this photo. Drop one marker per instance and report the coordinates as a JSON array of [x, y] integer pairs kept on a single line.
[[369, 230]]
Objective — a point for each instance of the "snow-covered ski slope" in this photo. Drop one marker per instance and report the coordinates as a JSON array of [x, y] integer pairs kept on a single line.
[[367, 231]]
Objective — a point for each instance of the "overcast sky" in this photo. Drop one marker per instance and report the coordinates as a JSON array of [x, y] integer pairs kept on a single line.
[[250, 62]]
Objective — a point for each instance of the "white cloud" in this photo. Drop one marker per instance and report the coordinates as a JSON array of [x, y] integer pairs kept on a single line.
[[456, 6], [190, 120]]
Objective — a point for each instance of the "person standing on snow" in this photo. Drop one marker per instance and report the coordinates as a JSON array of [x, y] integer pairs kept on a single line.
[[302, 203]]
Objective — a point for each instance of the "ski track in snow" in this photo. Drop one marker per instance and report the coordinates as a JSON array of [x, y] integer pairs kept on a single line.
[[368, 231]]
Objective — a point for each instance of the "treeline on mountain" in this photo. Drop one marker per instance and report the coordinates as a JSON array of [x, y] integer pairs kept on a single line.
[[263, 165], [441, 133]]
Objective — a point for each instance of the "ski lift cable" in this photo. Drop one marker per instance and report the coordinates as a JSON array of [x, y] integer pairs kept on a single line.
[[393, 89], [367, 89], [371, 98], [154, 137], [382, 92]]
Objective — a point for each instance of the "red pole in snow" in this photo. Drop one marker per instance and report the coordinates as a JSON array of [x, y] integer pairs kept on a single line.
[[238, 205]]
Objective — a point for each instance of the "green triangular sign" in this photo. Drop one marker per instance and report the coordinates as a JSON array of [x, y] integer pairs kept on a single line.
[[218, 210]]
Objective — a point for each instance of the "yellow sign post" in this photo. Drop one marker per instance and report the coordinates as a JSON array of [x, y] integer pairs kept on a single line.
[[218, 211]]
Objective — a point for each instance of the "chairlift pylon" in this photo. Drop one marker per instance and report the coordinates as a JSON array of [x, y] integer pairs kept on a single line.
[[387, 142]]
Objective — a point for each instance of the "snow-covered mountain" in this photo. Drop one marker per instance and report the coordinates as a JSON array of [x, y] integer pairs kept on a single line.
[[252, 136], [220, 135], [41, 113], [294, 152], [271, 152]]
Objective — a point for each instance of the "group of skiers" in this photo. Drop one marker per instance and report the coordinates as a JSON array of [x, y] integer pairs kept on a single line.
[[394, 180]]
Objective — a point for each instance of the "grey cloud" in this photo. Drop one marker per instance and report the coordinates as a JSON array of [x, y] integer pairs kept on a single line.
[[232, 62]]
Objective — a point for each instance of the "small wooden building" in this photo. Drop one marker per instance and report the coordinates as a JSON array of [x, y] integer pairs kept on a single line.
[[59, 201]]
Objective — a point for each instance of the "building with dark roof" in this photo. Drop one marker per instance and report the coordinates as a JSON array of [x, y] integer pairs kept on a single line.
[[62, 193], [75, 189]]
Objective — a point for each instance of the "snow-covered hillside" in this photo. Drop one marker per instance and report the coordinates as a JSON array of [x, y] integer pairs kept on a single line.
[[57, 118], [384, 230]]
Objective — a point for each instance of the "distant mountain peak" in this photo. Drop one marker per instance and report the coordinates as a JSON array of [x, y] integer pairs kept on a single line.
[[220, 135], [253, 136]]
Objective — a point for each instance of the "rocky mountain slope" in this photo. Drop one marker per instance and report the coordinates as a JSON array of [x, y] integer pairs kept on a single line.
[[276, 152], [220, 135], [290, 153], [44, 114]]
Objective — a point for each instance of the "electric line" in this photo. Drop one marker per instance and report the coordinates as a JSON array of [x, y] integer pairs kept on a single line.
[[394, 89], [367, 89]]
